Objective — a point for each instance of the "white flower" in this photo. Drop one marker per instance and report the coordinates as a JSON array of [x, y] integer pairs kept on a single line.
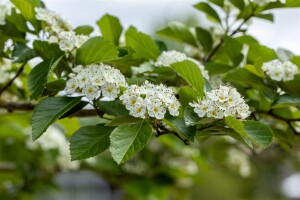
[[71, 86], [167, 58], [110, 90], [5, 9], [221, 102], [279, 71], [90, 91], [150, 99]]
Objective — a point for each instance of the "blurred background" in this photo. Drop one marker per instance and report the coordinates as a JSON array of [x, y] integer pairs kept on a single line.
[[211, 169]]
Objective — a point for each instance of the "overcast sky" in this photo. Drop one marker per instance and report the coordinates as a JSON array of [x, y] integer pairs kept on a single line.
[[143, 14]]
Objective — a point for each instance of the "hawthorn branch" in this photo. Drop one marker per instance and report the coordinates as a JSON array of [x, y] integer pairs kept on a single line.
[[160, 130], [29, 106], [9, 83]]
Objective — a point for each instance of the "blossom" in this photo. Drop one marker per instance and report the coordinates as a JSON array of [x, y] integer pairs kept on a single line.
[[149, 99], [95, 80], [264, 2], [221, 102], [5, 9], [167, 58], [280, 71]]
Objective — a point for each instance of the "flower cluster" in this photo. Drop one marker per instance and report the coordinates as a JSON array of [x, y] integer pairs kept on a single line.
[[96, 80], [279, 71], [54, 23], [167, 58], [264, 2], [151, 99], [60, 31], [68, 41], [221, 102], [5, 9]]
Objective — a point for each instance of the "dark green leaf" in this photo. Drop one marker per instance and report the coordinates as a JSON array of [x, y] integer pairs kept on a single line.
[[187, 95], [268, 17], [95, 50], [286, 101], [191, 73], [46, 50], [48, 111], [22, 53], [291, 87], [123, 120], [209, 11], [127, 140], [38, 76], [89, 141], [178, 32], [111, 28], [52, 88], [190, 117], [142, 43], [204, 38], [115, 108], [74, 109], [238, 3]]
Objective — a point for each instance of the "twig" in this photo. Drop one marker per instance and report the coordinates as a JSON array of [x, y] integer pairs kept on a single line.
[[29, 106], [7, 85], [160, 130]]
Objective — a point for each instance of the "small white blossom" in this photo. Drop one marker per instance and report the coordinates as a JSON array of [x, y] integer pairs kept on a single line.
[[167, 58], [221, 102], [92, 82], [5, 9], [150, 99], [280, 71], [264, 2]]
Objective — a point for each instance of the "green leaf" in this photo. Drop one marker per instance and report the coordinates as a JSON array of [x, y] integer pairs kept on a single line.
[[260, 53], [46, 50], [115, 108], [218, 2], [127, 140], [178, 32], [89, 141], [38, 76], [260, 134], [190, 117], [26, 7], [268, 16], [291, 87], [191, 73], [52, 88], [243, 77], [142, 43], [178, 125], [238, 3], [95, 50], [18, 20], [209, 11], [187, 95], [287, 113], [217, 68], [22, 53], [74, 109], [123, 119], [84, 30], [48, 111], [286, 101], [204, 38], [111, 28]]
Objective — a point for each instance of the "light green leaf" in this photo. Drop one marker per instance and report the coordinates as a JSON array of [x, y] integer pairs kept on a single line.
[[178, 32], [89, 141], [48, 111], [268, 17], [238, 4], [127, 140], [26, 7], [209, 11], [111, 28], [142, 43], [84, 30], [260, 134], [191, 73], [95, 50]]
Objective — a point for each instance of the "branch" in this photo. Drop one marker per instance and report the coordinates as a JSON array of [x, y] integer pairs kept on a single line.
[[13, 79], [29, 106], [160, 130], [218, 46]]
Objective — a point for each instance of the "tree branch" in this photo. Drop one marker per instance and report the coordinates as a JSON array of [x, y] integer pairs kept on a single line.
[[29, 106], [7, 85]]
